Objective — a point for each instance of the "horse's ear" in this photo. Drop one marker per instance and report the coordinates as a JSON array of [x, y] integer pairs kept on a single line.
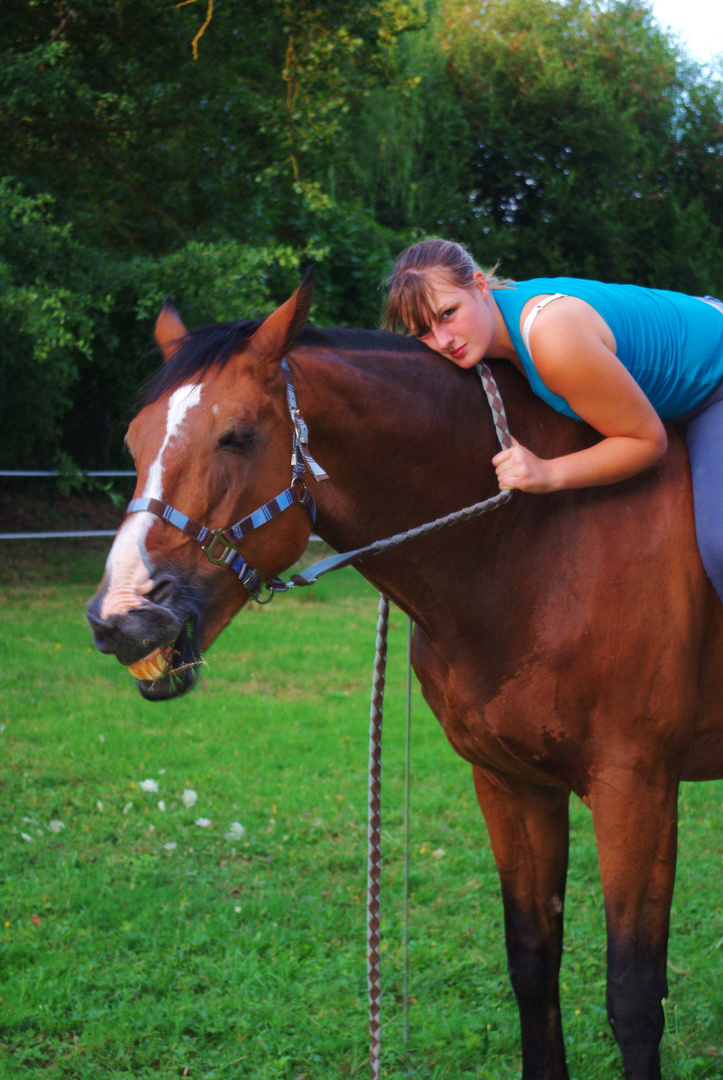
[[169, 331], [280, 329]]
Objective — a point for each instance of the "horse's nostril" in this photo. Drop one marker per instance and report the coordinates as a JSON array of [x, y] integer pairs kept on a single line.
[[163, 591], [105, 632]]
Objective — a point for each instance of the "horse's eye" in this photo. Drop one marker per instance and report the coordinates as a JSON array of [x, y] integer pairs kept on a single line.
[[238, 440]]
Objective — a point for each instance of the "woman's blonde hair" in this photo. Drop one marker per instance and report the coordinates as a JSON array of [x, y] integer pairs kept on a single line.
[[410, 302]]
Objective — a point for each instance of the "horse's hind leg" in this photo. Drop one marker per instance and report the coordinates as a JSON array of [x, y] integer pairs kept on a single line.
[[635, 817], [529, 832]]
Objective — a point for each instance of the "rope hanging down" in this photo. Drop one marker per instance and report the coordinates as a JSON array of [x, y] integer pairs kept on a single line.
[[374, 824], [375, 730]]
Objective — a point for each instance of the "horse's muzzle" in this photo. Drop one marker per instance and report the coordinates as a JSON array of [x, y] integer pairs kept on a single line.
[[141, 632], [135, 633]]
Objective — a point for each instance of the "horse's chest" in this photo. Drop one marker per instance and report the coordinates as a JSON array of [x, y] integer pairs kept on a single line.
[[514, 729]]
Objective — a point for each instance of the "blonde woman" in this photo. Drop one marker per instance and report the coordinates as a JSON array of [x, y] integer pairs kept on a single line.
[[620, 357]]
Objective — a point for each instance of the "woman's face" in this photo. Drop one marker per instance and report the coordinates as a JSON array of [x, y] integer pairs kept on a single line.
[[461, 325]]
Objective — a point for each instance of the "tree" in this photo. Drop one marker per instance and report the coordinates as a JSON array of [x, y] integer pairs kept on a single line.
[[132, 170], [576, 110], [562, 136]]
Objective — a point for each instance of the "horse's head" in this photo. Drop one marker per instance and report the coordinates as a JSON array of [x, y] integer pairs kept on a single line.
[[213, 442]]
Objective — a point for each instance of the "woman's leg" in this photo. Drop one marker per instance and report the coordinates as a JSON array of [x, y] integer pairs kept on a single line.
[[704, 437]]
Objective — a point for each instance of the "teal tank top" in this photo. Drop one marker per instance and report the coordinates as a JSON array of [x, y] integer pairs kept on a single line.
[[671, 344]]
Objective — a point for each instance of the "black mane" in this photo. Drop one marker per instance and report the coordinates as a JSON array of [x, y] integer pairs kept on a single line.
[[213, 345], [202, 349]]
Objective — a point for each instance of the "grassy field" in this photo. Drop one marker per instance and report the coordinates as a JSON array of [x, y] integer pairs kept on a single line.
[[143, 937]]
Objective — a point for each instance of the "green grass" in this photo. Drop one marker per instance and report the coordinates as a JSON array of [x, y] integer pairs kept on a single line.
[[121, 956]]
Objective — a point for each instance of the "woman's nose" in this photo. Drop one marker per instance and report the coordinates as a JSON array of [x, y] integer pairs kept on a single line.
[[442, 338]]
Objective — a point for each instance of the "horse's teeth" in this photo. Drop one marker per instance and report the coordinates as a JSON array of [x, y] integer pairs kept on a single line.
[[153, 666]]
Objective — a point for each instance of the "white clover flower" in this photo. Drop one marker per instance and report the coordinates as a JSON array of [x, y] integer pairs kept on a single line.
[[171, 846], [56, 826], [439, 853], [99, 804], [128, 806], [26, 837], [235, 831], [149, 785], [204, 822], [161, 805], [189, 798]]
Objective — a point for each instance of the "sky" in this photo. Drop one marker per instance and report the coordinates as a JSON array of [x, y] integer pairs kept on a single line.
[[698, 22]]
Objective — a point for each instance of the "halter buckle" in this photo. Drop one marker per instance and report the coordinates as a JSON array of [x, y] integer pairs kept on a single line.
[[302, 431], [208, 548]]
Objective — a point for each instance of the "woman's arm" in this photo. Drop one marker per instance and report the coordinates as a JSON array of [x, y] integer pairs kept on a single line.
[[573, 352]]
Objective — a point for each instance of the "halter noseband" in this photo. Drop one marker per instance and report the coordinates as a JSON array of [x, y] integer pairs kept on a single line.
[[218, 544]]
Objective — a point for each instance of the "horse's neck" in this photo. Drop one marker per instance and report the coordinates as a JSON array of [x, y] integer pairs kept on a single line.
[[404, 438], [388, 421]]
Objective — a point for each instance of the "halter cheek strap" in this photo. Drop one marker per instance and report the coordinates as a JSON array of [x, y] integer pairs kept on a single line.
[[300, 453]]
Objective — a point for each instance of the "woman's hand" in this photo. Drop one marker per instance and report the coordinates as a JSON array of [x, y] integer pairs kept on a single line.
[[520, 468]]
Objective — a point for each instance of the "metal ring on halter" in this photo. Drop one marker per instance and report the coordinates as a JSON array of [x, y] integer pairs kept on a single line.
[[270, 590]]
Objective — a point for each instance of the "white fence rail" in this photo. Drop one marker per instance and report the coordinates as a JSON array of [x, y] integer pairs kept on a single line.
[[47, 473], [30, 473]]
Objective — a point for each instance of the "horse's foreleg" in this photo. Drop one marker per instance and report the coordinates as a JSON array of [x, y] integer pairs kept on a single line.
[[635, 817], [528, 830]]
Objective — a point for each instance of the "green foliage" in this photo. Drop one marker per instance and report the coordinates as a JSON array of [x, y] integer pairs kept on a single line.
[[577, 112], [337, 53], [559, 136], [70, 479], [48, 320]]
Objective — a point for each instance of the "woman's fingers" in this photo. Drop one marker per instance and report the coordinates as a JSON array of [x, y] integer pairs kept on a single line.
[[519, 468]]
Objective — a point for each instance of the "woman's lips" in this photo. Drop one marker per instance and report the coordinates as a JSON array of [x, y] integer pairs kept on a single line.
[[458, 353]]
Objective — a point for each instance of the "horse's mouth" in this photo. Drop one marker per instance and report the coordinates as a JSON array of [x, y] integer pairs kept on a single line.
[[157, 665], [170, 670]]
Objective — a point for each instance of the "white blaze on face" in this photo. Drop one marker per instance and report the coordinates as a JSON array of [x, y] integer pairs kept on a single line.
[[127, 576]]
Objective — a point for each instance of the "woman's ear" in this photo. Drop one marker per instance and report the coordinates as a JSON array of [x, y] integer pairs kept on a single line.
[[480, 282]]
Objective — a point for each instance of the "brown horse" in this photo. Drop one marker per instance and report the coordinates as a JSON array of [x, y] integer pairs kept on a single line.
[[566, 642]]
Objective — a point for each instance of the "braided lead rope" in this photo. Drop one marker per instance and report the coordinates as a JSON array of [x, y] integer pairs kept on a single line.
[[347, 558], [374, 824], [374, 855], [407, 785], [496, 405]]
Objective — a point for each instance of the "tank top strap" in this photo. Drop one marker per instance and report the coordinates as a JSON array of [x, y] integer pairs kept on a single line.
[[533, 315]]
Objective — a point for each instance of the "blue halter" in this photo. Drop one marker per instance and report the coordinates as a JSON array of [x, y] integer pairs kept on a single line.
[[218, 544]]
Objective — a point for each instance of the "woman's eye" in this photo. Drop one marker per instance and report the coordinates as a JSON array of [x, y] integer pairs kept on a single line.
[[448, 313]]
